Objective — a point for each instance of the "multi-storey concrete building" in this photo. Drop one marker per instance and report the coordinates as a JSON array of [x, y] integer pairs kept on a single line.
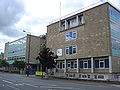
[[1, 55], [87, 43], [25, 49]]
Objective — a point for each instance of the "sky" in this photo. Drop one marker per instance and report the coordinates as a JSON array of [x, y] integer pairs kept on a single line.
[[33, 16]]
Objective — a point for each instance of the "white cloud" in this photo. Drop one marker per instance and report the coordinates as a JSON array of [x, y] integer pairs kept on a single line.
[[37, 15]]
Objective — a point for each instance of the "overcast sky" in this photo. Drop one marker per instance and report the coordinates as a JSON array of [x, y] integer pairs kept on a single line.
[[34, 15]]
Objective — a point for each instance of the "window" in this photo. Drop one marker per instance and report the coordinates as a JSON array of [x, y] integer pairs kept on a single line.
[[71, 35], [100, 77], [85, 64], [68, 65], [62, 26], [81, 64], [71, 50], [83, 76], [106, 63], [102, 63], [60, 64], [75, 64], [67, 50], [80, 20], [74, 49], [74, 34], [72, 64], [63, 65], [96, 63], [71, 22]]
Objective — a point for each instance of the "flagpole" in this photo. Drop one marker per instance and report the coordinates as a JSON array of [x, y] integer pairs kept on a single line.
[[60, 17]]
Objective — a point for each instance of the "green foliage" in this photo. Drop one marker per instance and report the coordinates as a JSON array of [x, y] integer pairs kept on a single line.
[[19, 64], [46, 58], [3, 63]]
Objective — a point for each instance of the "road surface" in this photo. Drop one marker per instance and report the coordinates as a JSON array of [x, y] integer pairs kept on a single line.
[[10, 81]]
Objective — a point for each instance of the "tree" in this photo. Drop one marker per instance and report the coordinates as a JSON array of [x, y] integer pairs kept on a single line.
[[46, 58], [19, 64], [3, 63]]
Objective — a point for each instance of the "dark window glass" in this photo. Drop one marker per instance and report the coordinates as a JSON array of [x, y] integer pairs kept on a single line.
[[89, 63], [68, 64], [67, 50], [85, 64], [70, 50], [88, 76], [106, 63], [74, 34], [72, 64], [81, 64], [96, 63], [60, 65], [101, 64], [95, 76], [75, 65], [70, 34], [74, 49], [63, 65]]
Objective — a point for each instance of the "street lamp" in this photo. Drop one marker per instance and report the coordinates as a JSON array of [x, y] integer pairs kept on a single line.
[[28, 55]]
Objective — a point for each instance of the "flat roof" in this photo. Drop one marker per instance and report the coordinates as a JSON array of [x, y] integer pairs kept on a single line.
[[97, 4]]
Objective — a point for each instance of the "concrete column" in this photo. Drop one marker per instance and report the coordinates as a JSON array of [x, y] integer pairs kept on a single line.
[[92, 65], [110, 64], [66, 24], [65, 69], [77, 65], [77, 22]]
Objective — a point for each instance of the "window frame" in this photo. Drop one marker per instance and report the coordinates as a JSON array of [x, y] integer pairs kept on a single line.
[[101, 61], [70, 35], [83, 62], [67, 50]]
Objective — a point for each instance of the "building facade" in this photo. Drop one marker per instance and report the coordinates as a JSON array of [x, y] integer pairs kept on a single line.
[[87, 43], [25, 49], [1, 55]]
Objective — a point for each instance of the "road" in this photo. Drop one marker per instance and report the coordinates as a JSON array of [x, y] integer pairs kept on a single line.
[[21, 82]]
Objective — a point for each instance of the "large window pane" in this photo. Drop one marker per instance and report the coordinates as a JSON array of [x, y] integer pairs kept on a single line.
[[89, 63], [70, 50], [85, 64], [72, 64], [81, 64], [101, 64], [106, 63], [96, 63], [67, 50], [74, 49], [74, 34]]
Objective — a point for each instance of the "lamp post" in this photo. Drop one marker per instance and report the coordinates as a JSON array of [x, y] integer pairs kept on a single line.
[[28, 55]]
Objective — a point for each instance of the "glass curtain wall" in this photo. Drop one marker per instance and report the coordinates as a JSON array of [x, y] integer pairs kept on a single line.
[[16, 50], [115, 30]]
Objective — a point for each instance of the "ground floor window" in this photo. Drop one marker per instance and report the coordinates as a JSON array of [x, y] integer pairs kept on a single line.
[[72, 64], [60, 64], [104, 63], [85, 64]]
